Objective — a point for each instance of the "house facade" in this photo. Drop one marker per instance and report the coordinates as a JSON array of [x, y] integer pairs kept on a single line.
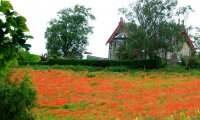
[[120, 36]]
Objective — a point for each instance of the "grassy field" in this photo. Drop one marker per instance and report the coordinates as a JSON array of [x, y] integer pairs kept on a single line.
[[106, 95]]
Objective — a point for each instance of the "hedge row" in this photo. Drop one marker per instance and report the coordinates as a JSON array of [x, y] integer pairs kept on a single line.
[[193, 62], [149, 64], [194, 65]]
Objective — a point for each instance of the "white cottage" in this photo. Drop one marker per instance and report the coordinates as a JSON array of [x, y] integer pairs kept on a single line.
[[120, 35]]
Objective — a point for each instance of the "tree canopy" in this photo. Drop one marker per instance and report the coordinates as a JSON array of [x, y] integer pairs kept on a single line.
[[153, 26], [67, 34], [17, 97], [13, 35]]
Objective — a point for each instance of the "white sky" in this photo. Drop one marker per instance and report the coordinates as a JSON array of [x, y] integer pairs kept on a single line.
[[39, 12]]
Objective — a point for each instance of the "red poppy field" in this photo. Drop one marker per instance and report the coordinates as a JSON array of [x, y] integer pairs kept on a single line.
[[69, 95]]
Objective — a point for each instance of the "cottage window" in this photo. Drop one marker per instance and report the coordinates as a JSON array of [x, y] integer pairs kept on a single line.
[[115, 45], [118, 43]]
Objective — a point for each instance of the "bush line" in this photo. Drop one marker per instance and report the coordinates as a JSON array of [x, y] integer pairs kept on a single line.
[[139, 64]]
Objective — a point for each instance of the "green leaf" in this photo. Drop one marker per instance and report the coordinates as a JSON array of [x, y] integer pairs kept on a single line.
[[21, 19], [6, 4], [1, 56], [17, 38], [6, 7], [21, 41], [29, 36], [12, 21], [1, 23]]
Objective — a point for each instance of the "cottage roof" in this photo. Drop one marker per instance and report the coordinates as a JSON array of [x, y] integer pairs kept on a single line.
[[189, 41], [120, 25]]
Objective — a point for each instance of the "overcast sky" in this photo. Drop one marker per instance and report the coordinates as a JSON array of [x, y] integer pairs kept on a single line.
[[39, 12]]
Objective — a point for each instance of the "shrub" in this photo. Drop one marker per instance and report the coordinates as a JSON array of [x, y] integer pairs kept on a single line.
[[194, 62], [27, 58], [91, 74], [184, 60], [147, 64], [43, 57], [16, 99], [117, 69]]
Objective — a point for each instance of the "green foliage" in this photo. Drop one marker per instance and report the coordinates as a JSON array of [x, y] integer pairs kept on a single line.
[[12, 36], [150, 118], [139, 64], [117, 69], [67, 34], [76, 68], [173, 69], [17, 99], [49, 117], [122, 53], [26, 57], [91, 75], [197, 116], [152, 27], [184, 60], [94, 83], [194, 62], [169, 118], [184, 117], [191, 61], [75, 106]]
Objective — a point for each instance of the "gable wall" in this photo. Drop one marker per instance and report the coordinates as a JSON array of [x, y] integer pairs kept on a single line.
[[186, 51], [113, 46]]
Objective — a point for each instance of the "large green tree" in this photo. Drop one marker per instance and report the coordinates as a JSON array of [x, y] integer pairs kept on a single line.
[[67, 34], [155, 27]]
